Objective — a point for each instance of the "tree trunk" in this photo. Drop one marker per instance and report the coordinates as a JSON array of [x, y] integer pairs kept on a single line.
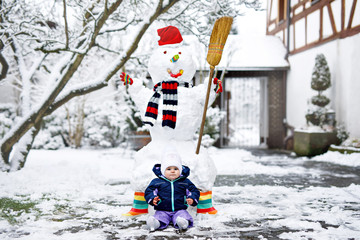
[[23, 148], [35, 118]]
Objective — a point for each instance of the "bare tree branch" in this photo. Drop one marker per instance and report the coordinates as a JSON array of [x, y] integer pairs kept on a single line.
[[106, 49], [66, 26], [5, 67], [106, 7], [119, 29], [74, 92]]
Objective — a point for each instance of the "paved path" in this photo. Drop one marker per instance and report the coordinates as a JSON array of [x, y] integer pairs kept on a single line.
[[262, 195], [314, 200]]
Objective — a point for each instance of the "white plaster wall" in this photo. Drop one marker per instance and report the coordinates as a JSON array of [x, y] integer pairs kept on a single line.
[[343, 58], [348, 84]]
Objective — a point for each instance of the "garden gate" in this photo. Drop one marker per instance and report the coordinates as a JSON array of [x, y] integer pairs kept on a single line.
[[245, 103]]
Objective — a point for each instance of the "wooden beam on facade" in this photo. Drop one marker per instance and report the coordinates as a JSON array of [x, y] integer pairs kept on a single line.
[[341, 31], [306, 24], [283, 32], [321, 24], [279, 28], [269, 11], [331, 16], [313, 44], [350, 32], [294, 36], [299, 4], [306, 27], [273, 21], [309, 10], [352, 14], [342, 15]]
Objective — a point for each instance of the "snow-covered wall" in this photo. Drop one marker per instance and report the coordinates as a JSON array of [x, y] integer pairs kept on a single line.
[[343, 56]]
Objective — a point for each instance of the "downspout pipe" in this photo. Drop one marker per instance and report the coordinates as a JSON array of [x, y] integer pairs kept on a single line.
[[288, 17]]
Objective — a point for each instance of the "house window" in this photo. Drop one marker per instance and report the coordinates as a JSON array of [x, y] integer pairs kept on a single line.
[[314, 2], [282, 10]]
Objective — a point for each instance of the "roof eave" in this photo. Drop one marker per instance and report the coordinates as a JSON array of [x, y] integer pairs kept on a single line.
[[255, 69]]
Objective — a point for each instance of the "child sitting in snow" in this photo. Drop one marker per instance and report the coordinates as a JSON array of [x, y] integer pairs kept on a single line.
[[171, 193]]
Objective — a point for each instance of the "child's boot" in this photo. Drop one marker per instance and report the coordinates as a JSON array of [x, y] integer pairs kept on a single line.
[[139, 206], [152, 223], [205, 203], [182, 223]]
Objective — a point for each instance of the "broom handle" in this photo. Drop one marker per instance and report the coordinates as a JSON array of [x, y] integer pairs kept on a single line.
[[205, 109]]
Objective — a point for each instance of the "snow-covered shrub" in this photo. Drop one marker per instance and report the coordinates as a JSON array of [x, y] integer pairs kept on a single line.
[[7, 118], [352, 142], [44, 140], [212, 126], [51, 135], [320, 81], [341, 133], [133, 120], [105, 124]]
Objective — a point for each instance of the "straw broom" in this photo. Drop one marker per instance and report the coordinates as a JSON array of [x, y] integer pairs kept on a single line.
[[218, 38]]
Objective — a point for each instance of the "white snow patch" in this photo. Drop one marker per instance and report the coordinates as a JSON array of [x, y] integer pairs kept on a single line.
[[78, 188], [352, 159]]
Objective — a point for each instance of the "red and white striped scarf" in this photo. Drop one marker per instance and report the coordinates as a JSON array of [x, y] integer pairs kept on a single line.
[[170, 101]]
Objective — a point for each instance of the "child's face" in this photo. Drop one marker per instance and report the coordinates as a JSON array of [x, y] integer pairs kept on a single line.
[[172, 173]]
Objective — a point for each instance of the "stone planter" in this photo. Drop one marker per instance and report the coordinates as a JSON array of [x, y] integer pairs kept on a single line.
[[137, 140], [313, 143]]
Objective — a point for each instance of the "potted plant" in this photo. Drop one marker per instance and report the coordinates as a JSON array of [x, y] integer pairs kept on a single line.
[[320, 81], [320, 133]]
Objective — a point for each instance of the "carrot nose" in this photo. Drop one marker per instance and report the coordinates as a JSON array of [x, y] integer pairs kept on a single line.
[[174, 58]]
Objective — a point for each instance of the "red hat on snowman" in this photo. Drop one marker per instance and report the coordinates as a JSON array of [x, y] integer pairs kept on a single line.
[[169, 35]]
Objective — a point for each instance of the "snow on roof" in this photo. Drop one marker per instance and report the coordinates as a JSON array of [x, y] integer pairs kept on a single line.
[[253, 52], [250, 52]]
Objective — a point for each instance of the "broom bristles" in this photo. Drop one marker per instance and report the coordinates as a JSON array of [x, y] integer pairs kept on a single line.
[[218, 38]]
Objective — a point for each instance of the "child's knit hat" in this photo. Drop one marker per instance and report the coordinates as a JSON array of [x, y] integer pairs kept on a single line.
[[170, 158]]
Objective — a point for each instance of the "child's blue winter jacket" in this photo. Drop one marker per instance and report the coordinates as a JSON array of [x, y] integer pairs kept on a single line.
[[172, 194]]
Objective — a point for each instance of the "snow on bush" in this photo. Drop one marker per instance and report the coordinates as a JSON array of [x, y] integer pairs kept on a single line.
[[103, 125], [212, 126], [352, 142], [7, 118]]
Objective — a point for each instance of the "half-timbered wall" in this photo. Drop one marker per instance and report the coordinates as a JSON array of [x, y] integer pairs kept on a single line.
[[312, 22], [330, 27]]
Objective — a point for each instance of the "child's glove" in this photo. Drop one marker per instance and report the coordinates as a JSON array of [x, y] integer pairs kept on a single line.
[[218, 83], [126, 79], [156, 200]]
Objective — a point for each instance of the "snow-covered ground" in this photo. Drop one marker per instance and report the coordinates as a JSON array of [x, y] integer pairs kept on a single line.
[[81, 194]]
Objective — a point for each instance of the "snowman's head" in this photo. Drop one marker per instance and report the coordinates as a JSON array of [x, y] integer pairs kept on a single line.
[[171, 60]]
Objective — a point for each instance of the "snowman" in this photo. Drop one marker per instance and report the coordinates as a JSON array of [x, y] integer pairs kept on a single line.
[[172, 113]]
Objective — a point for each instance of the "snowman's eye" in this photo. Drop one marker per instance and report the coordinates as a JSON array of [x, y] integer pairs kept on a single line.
[[179, 52], [165, 52]]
